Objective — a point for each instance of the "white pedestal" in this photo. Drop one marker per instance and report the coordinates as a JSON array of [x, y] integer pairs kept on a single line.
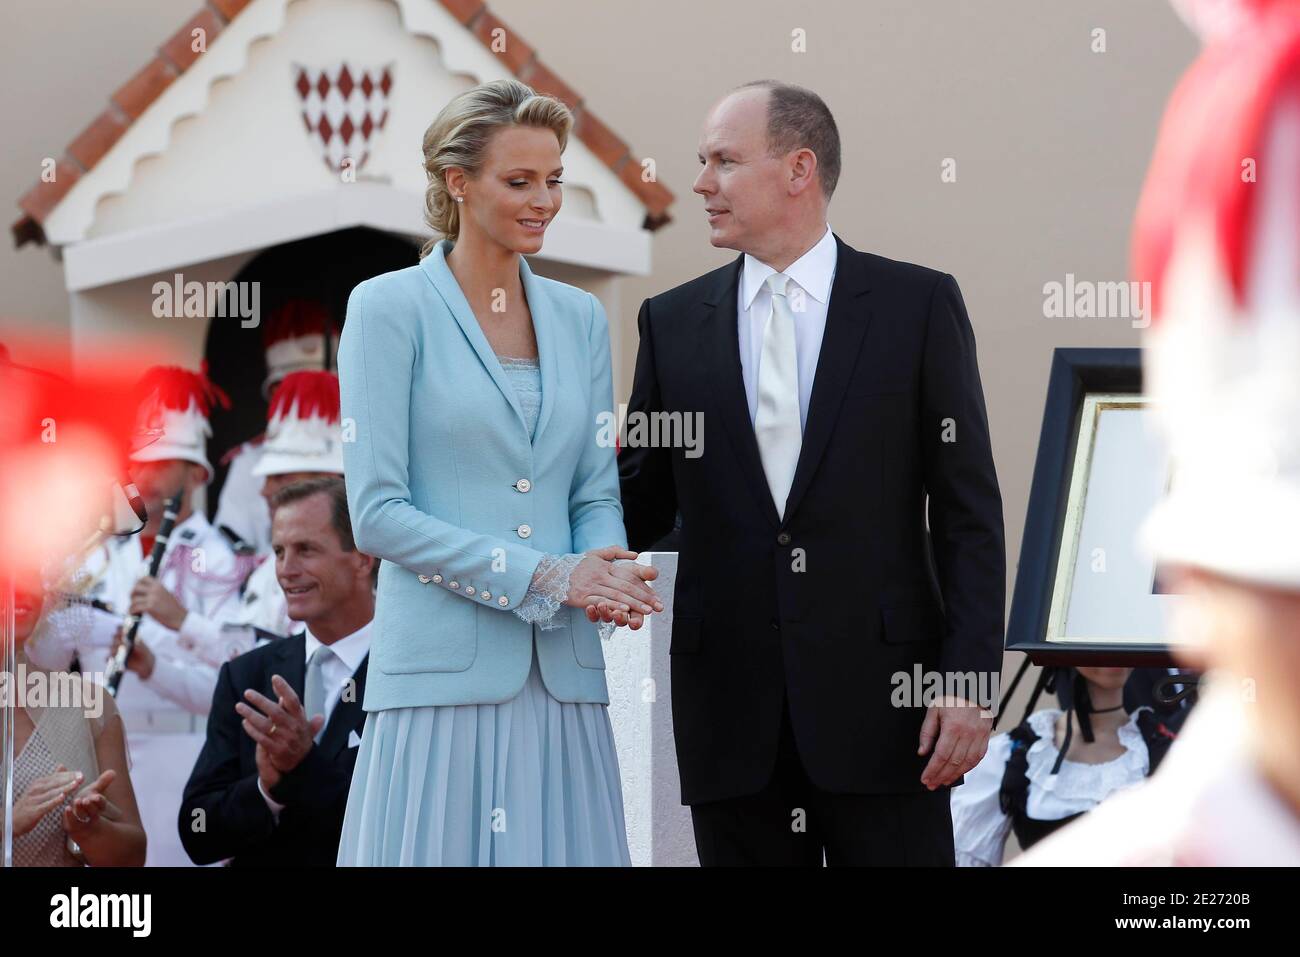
[[659, 829]]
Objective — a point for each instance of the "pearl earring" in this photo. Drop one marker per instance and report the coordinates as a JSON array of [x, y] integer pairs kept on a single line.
[[460, 199]]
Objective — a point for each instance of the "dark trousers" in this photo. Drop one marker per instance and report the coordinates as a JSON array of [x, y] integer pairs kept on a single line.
[[792, 822]]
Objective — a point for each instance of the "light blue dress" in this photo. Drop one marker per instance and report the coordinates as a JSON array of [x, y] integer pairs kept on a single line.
[[531, 781]]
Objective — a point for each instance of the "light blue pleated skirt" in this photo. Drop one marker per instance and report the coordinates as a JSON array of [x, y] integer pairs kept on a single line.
[[532, 781]]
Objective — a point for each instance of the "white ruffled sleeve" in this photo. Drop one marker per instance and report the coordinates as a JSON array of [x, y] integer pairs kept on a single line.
[[547, 592], [978, 825]]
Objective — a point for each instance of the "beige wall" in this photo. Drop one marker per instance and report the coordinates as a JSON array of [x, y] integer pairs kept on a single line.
[[1050, 141]]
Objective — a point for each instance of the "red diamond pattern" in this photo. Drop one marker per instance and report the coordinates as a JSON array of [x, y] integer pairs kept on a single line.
[[331, 121]]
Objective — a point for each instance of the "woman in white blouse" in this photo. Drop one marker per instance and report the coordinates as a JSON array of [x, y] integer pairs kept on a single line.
[[1041, 775]]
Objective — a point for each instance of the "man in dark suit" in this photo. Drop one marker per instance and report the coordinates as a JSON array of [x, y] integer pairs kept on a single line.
[[843, 405], [271, 784]]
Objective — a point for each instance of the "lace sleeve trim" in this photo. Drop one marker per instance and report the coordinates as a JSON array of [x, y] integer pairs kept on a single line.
[[547, 592]]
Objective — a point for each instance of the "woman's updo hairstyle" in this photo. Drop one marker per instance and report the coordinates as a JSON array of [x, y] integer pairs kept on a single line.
[[460, 134]]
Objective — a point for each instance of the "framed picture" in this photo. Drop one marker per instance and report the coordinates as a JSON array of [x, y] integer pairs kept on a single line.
[[1085, 593]]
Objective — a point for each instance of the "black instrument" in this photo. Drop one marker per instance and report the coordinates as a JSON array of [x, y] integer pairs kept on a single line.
[[117, 664]]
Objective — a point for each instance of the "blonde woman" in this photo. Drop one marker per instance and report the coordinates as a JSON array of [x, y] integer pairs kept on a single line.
[[477, 475]]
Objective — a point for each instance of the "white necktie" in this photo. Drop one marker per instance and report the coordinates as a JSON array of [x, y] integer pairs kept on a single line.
[[313, 699], [776, 421]]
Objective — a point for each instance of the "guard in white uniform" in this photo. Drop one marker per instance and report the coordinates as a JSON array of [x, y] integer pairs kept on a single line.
[[294, 337], [166, 693], [303, 440], [1218, 237]]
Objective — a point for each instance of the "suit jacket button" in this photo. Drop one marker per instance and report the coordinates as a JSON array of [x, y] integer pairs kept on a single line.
[[469, 590], [524, 531], [783, 538], [424, 579], [523, 485], [437, 579], [503, 601], [485, 595], [453, 584]]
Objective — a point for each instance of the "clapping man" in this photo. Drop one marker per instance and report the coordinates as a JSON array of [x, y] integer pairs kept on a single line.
[[271, 784]]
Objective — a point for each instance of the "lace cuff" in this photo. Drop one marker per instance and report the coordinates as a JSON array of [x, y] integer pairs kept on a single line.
[[547, 591]]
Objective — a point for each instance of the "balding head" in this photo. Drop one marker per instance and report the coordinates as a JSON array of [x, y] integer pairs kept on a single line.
[[770, 159]]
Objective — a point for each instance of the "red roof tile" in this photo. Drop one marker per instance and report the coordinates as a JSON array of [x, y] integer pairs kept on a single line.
[[97, 139], [180, 51], [177, 54], [137, 94], [498, 38]]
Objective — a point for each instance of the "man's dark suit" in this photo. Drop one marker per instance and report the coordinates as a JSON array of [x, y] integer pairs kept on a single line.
[[238, 824], [797, 625]]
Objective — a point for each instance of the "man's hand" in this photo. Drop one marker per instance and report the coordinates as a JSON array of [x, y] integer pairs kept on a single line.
[[149, 597], [963, 730], [141, 660], [280, 728], [267, 772]]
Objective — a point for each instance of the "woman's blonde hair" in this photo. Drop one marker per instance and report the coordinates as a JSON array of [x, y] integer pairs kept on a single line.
[[460, 134]]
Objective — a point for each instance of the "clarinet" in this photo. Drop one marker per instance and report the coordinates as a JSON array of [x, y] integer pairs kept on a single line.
[[117, 664]]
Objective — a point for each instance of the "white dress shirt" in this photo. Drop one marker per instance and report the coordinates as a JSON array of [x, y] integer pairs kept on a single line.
[[811, 276], [336, 671]]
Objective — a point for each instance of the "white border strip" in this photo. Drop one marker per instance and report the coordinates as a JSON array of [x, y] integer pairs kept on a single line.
[[156, 249]]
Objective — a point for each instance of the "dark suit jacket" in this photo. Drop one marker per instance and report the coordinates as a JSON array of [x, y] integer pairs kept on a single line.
[[238, 824], [851, 588]]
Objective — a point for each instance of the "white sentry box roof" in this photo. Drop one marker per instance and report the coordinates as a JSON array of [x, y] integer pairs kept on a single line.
[[221, 162]]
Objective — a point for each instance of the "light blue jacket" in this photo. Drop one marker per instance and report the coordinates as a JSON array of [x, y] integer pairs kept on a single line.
[[445, 486]]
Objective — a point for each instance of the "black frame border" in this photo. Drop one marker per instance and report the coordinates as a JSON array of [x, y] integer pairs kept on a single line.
[[1075, 373]]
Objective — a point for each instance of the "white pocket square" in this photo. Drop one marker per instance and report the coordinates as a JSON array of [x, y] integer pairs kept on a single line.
[[354, 739]]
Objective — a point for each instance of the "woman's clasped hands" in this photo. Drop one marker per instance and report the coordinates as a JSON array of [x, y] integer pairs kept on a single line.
[[610, 586]]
